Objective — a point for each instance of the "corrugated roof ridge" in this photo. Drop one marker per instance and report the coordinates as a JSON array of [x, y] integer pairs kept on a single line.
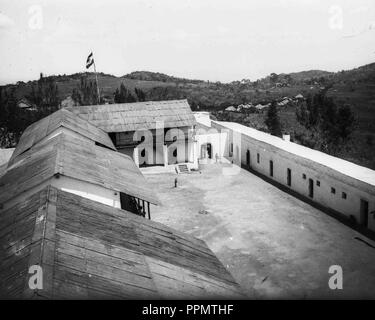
[[45, 224], [60, 150], [132, 103]]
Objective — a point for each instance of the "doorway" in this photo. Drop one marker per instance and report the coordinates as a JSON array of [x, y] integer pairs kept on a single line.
[[248, 158], [289, 177], [271, 168], [209, 150], [363, 220], [206, 151], [311, 188]]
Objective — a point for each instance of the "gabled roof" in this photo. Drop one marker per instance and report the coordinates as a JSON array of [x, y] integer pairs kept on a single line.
[[138, 115], [73, 157], [27, 103], [61, 118], [88, 250]]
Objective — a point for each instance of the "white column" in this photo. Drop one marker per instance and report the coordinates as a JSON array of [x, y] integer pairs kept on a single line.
[[136, 156], [195, 154], [165, 154]]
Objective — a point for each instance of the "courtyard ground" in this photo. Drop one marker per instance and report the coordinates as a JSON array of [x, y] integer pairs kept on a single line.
[[274, 245]]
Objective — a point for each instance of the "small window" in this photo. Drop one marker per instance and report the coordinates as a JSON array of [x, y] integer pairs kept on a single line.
[[231, 147], [304, 176], [258, 157], [143, 152], [318, 183], [175, 152], [289, 177], [271, 168], [343, 195], [333, 190]]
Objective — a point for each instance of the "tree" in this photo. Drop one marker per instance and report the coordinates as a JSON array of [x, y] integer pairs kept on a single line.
[[45, 95], [141, 96], [123, 95], [345, 122], [13, 119], [288, 79], [86, 93], [329, 125], [274, 77], [272, 120]]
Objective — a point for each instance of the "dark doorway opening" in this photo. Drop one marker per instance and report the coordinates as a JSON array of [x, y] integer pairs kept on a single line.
[[248, 158], [364, 213], [128, 203], [135, 205], [311, 188], [206, 151], [209, 150], [271, 168], [289, 177]]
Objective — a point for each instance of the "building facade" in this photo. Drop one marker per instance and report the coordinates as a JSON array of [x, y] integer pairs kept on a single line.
[[152, 133], [341, 186]]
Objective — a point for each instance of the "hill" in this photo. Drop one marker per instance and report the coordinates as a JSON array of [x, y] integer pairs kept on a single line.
[[157, 76], [355, 87]]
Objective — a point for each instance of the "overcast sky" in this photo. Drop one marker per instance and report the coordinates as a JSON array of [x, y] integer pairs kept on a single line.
[[217, 40]]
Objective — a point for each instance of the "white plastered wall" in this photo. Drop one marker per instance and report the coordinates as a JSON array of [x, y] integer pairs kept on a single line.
[[78, 187], [355, 190]]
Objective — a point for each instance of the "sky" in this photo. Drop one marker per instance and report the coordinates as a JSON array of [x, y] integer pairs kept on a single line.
[[216, 40]]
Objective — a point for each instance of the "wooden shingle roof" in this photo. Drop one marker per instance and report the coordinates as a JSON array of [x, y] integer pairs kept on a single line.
[[88, 250], [138, 115], [61, 118], [74, 158]]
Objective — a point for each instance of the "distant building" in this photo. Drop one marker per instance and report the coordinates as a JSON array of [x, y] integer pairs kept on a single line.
[[247, 106], [26, 105], [284, 102], [299, 96], [231, 108], [260, 106]]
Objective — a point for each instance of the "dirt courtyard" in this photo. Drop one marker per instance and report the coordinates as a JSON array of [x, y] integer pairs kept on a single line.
[[274, 245]]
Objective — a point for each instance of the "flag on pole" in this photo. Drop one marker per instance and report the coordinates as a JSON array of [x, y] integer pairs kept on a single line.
[[89, 61]]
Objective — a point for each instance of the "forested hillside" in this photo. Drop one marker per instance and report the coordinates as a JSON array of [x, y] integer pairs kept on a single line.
[[350, 91]]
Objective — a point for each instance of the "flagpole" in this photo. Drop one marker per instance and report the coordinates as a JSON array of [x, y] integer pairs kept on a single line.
[[97, 85]]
